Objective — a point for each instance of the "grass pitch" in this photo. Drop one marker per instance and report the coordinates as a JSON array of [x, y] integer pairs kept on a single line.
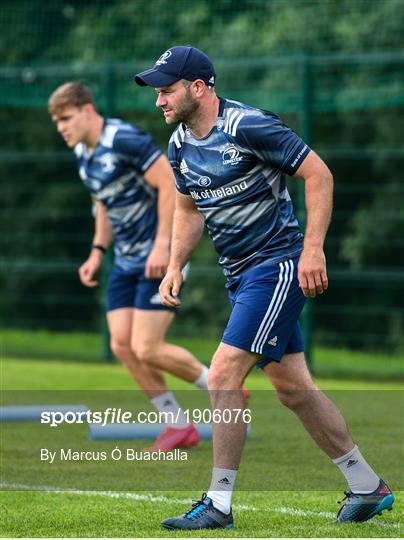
[[48, 506], [264, 514]]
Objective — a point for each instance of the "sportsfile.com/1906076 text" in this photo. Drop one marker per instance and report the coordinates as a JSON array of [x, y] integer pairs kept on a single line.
[[113, 415]]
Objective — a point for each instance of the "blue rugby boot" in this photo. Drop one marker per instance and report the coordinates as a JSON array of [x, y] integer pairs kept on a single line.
[[203, 515], [361, 507]]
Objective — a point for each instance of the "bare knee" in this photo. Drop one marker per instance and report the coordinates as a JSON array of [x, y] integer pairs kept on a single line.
[[146, 352], [295, 397], [222, 373], [121, 348], [289, 398], [217, 377], [292, 381]]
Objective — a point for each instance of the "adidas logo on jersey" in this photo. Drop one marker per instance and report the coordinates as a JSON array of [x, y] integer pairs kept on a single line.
[[183, 167], [233, 118], [273, 341]]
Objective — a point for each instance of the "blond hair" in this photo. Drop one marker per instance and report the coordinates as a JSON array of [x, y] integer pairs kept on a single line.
[[70, 94]]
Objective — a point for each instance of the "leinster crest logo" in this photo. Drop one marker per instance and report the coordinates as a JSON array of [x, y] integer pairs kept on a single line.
[[108, 162], [231, 155]]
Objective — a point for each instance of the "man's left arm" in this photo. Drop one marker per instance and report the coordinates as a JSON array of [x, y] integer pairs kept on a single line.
[[161, 177], [312, 271]]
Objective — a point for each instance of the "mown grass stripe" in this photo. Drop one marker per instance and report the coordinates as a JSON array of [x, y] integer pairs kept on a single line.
[[161, 498]]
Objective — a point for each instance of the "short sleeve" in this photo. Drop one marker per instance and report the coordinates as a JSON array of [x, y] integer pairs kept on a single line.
[[138, 147], [265, 135], [175, 162]]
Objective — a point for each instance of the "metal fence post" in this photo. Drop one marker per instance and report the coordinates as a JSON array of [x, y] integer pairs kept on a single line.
[[306, 133], [109, 95]]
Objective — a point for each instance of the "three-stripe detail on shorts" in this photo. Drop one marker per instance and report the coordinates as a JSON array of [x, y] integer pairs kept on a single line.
[[275, 306]]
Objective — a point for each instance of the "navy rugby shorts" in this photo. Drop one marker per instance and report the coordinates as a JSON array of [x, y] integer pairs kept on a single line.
[[133, 290], [267, 302]]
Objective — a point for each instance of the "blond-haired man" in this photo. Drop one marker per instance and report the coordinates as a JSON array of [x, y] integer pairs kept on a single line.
[[133, 185]]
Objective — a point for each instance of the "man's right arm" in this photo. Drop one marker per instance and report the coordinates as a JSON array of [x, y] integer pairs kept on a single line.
[[187, 231], [103, 237]]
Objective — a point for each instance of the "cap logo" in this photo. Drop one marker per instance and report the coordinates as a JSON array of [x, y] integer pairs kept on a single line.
[[163, 58]]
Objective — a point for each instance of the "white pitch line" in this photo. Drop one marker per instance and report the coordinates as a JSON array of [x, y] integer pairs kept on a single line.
[[162, 498]]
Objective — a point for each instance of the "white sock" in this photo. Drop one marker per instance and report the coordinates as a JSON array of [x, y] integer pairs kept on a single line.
[[359, 474], [221, 488], [168, 404], [202, 381]]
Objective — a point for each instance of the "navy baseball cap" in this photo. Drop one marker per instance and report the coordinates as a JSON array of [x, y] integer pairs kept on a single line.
[[181, 62]]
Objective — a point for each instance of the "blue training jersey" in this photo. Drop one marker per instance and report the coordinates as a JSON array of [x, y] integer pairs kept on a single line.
[[236, 177], [114, 174]]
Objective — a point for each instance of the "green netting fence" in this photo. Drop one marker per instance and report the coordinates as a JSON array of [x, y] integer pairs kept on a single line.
[[334, 71]]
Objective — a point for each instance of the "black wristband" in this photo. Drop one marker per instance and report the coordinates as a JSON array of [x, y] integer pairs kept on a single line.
[[99, 247]]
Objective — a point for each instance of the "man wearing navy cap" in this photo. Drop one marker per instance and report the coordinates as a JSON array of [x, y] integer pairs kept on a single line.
[[183, 62], [230, 162]]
